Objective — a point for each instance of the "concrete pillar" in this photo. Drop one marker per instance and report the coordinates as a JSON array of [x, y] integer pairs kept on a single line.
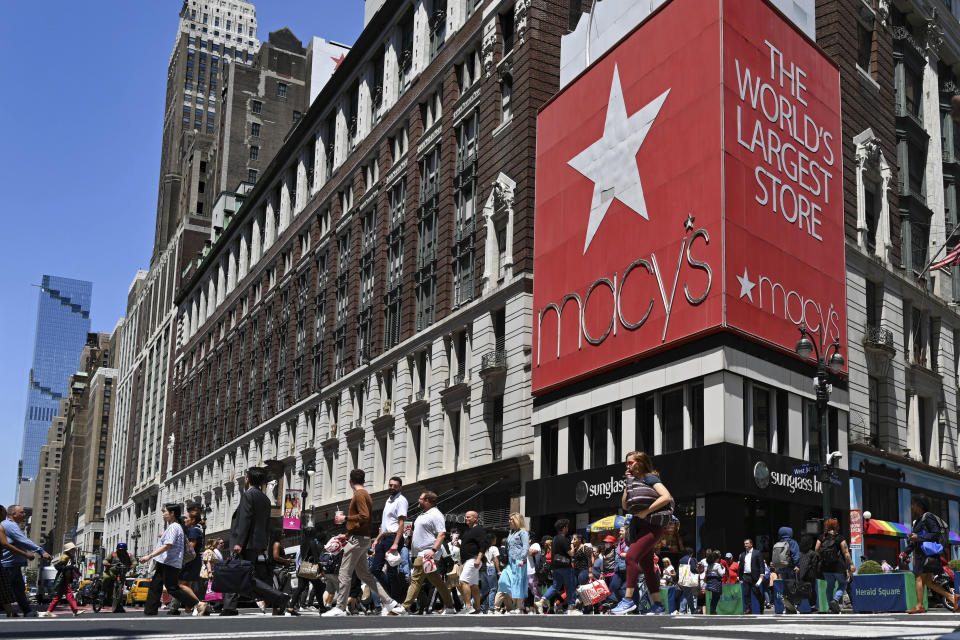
[[797, 445], [302, 186], [563, 445], [628, 424]]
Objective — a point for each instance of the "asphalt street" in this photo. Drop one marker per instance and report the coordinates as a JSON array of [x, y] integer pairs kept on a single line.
[[255, 626]]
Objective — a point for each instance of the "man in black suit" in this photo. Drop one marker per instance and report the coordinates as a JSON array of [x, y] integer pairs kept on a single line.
[[751, 574], [250, 536]]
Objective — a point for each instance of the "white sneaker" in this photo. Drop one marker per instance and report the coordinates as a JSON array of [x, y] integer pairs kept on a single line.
[[513, 612], [449, 611], [466, 611], [539, 605], [335, 612], [45, 614]]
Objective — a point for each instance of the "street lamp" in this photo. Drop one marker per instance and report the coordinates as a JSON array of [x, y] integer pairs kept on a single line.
[[827, 363], [135, 535], [308, 471]]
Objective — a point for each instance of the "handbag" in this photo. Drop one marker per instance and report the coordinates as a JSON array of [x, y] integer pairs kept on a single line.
[[308, 570], [189, 553], [211, 595], [233, 576]]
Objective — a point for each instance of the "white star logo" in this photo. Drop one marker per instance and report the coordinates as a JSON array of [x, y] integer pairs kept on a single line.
[[746, 287], [611, 161]]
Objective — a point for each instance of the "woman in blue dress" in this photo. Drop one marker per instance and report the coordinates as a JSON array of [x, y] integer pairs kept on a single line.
[[513, 577]]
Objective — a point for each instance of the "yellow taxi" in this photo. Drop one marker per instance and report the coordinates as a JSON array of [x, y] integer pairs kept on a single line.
[[138, 591]]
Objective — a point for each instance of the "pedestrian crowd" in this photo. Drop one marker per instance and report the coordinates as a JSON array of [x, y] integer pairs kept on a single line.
[[411, 563]]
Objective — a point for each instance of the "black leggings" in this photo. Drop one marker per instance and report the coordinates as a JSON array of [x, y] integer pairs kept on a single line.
[[166, 576], [302, 585], [714, 601]]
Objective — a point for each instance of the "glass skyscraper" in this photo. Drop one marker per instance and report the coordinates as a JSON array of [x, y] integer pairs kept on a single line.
[[63, 320]]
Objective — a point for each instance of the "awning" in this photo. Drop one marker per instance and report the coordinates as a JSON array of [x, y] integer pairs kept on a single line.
[[887, 528]]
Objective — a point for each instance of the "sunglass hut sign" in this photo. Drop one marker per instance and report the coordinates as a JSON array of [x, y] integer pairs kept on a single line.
[[646, 236]]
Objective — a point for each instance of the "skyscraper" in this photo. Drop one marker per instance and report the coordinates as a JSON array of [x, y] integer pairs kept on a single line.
[[211, 35], [63, 320]]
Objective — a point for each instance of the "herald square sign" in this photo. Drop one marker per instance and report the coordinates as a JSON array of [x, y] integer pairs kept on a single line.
[[689, 182]]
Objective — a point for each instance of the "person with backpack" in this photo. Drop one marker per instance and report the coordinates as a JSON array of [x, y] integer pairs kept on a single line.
[[784, 560], [713, 578], [647, 498], [67, 571], [835, 562], [927, 541]]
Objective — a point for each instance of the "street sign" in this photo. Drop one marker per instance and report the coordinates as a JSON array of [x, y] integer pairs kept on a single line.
[[806, 469], [835, 480]]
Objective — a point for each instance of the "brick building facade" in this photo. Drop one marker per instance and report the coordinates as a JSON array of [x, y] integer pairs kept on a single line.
[[369, 305]]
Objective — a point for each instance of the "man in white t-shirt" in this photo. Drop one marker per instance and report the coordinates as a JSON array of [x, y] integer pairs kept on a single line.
[[429, 531], [390, 539]]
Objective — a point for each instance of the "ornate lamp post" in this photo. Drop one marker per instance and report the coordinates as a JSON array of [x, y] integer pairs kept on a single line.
[[309, 469], [829, 361]]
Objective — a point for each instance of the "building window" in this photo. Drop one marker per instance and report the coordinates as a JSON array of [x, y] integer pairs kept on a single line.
[[281, 89], [465, 185], [427, 239], [405, 55], [394, 263], [507, 31], [469, 72], [252, 176], [297, 116], [438, 27], [506, 97], [254, 152], [574, 11], [865, 24], [430, 110], [255, 129], [398, 145], [256, 106]]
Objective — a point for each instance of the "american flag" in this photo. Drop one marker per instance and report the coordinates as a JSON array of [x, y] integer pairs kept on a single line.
[[952, 258]]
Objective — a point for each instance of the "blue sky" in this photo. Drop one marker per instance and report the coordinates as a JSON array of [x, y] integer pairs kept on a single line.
[[80, 154]]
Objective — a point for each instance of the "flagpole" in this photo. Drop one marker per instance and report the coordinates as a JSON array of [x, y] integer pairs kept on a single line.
[[934, 259]]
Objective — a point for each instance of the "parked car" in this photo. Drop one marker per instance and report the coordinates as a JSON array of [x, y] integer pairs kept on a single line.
[[137, 593]]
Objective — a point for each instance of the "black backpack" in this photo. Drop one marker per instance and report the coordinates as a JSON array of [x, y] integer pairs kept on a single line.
[[542, 569], [831, 552]]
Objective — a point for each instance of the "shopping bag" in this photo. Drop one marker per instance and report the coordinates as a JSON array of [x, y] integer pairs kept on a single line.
[[211, 595], [593, 592]]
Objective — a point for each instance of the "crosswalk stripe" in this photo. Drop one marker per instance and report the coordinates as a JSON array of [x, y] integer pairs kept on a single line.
[[852, 630]]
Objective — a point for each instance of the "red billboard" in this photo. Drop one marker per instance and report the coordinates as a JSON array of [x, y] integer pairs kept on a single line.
[[688, 182]]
